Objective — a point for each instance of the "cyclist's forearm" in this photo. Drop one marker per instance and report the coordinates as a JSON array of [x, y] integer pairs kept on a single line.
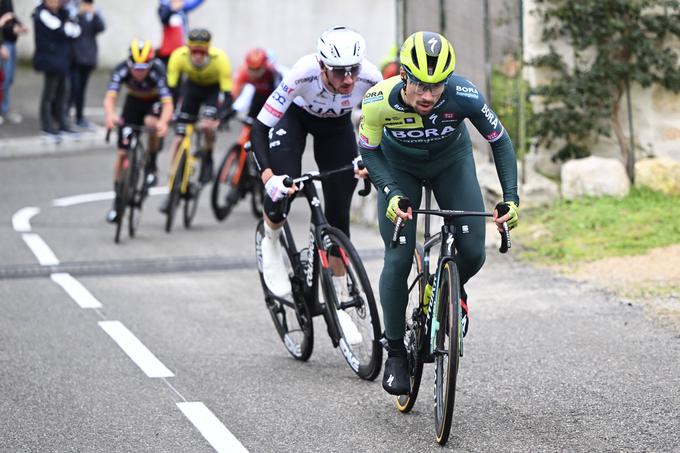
[[110, 103], [259, 138], [506, 167], [379, 171], [166, 111]]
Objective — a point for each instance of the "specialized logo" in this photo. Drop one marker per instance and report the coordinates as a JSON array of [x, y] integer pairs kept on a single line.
[[489, 115], [433, 118], [390, 380], [433, 43]]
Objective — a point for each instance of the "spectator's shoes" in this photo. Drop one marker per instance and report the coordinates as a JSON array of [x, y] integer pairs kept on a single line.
[[396, 380], [83, 123]]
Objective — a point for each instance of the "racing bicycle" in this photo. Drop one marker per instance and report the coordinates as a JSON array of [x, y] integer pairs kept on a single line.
[[237, 177], [349, 311], [133, 189], [433, 327], [184, 183]]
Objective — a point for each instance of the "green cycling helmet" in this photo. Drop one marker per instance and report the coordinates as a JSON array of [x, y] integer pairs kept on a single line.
[[427, 57]]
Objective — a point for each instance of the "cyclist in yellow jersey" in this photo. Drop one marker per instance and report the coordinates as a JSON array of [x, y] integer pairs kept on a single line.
[[207, 73]]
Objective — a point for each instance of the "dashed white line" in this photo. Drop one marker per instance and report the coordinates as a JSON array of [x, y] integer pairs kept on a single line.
[[76, 290], [98, 196], [21, 220], [221, 439], [40, 249], [135, 349]]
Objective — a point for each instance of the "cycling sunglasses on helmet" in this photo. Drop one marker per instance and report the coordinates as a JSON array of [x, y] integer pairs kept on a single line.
[[422, 87], [342, 72]]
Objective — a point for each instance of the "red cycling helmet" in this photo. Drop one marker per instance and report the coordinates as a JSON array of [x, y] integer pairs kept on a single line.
[[256, 58]]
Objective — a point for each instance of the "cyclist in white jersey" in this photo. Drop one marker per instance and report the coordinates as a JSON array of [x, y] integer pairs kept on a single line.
[[315, 97]]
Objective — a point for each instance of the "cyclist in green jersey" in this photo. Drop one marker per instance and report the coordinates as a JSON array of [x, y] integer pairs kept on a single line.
[[413, 131]]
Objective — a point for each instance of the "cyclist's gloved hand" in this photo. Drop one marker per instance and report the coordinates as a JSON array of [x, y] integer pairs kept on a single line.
[[360, 171], [275, 188], [512, 217], [392, 207]]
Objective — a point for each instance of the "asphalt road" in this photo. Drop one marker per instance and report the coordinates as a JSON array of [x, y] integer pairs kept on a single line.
[[549, 365]]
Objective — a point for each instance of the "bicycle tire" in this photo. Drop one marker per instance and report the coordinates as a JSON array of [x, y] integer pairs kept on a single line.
[[123, 200], [363, 352], [223, 187], [137, 190], [191, 197], [175, 192], [298, 340], [256, 188], [414, 337], [447, 344]]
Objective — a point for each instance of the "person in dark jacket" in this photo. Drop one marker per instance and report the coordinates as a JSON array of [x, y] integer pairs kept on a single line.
[[85, 56], [54, 32], [10, 32]]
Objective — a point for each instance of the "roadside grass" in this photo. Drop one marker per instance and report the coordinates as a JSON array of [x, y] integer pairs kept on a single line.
[[588, 229]]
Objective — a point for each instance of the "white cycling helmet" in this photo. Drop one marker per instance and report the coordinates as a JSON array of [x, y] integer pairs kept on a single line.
[[341, 46]]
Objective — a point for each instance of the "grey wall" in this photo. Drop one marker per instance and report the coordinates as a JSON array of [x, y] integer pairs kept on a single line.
[[290, 27]]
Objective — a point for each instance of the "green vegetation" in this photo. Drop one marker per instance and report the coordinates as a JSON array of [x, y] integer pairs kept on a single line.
[[505, 102], [594, 228]]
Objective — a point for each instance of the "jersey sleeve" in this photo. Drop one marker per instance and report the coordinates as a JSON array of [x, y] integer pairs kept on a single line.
[[477, 110], [117, 79], [174, 68], [371, 126], [160, 78], [278, 102]]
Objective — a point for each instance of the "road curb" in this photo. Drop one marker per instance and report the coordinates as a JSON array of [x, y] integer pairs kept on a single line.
[[43, 145]]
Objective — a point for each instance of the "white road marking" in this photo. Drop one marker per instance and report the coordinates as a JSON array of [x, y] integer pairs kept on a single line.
[[221, 439], [76, 290], [98, 196], [135, 349], [41, 250], [21, 220]]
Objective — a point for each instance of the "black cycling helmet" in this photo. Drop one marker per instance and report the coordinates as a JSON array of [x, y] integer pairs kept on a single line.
[[199, 37]]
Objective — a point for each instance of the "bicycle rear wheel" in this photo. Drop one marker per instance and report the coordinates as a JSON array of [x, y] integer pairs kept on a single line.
[[136, 188], [175, 191], [124, 197], [291, 316], [414, 338], [225, 191], [351, 306], [447, 349]]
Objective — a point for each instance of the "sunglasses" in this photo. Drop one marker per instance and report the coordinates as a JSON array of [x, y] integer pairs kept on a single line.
[[198, 51], [140, 66], [341, 73], [421, 87]]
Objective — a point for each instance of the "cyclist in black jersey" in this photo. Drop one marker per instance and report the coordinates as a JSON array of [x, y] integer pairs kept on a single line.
[[413, 131], [148, 102]]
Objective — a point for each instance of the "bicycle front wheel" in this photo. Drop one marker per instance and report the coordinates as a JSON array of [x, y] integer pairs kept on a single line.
[[175, 191], [350, 304], [124, 197], [448, 336], [137, 189], [414, 337], [291, 315], [225, 189], [191, 197]]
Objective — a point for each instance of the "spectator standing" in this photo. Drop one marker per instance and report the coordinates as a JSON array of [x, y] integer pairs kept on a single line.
[[173, 15], [54, 32], [85, 56], [10, 31]]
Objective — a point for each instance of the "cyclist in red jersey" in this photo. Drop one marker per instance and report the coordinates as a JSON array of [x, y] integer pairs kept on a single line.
[[259, 72]]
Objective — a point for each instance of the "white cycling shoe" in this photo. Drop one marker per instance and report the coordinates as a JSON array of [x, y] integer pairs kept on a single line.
[[273, 268], [347, 325]]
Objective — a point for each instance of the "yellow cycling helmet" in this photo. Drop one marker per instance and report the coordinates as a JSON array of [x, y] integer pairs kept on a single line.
[[427, 57], [140, 53]]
